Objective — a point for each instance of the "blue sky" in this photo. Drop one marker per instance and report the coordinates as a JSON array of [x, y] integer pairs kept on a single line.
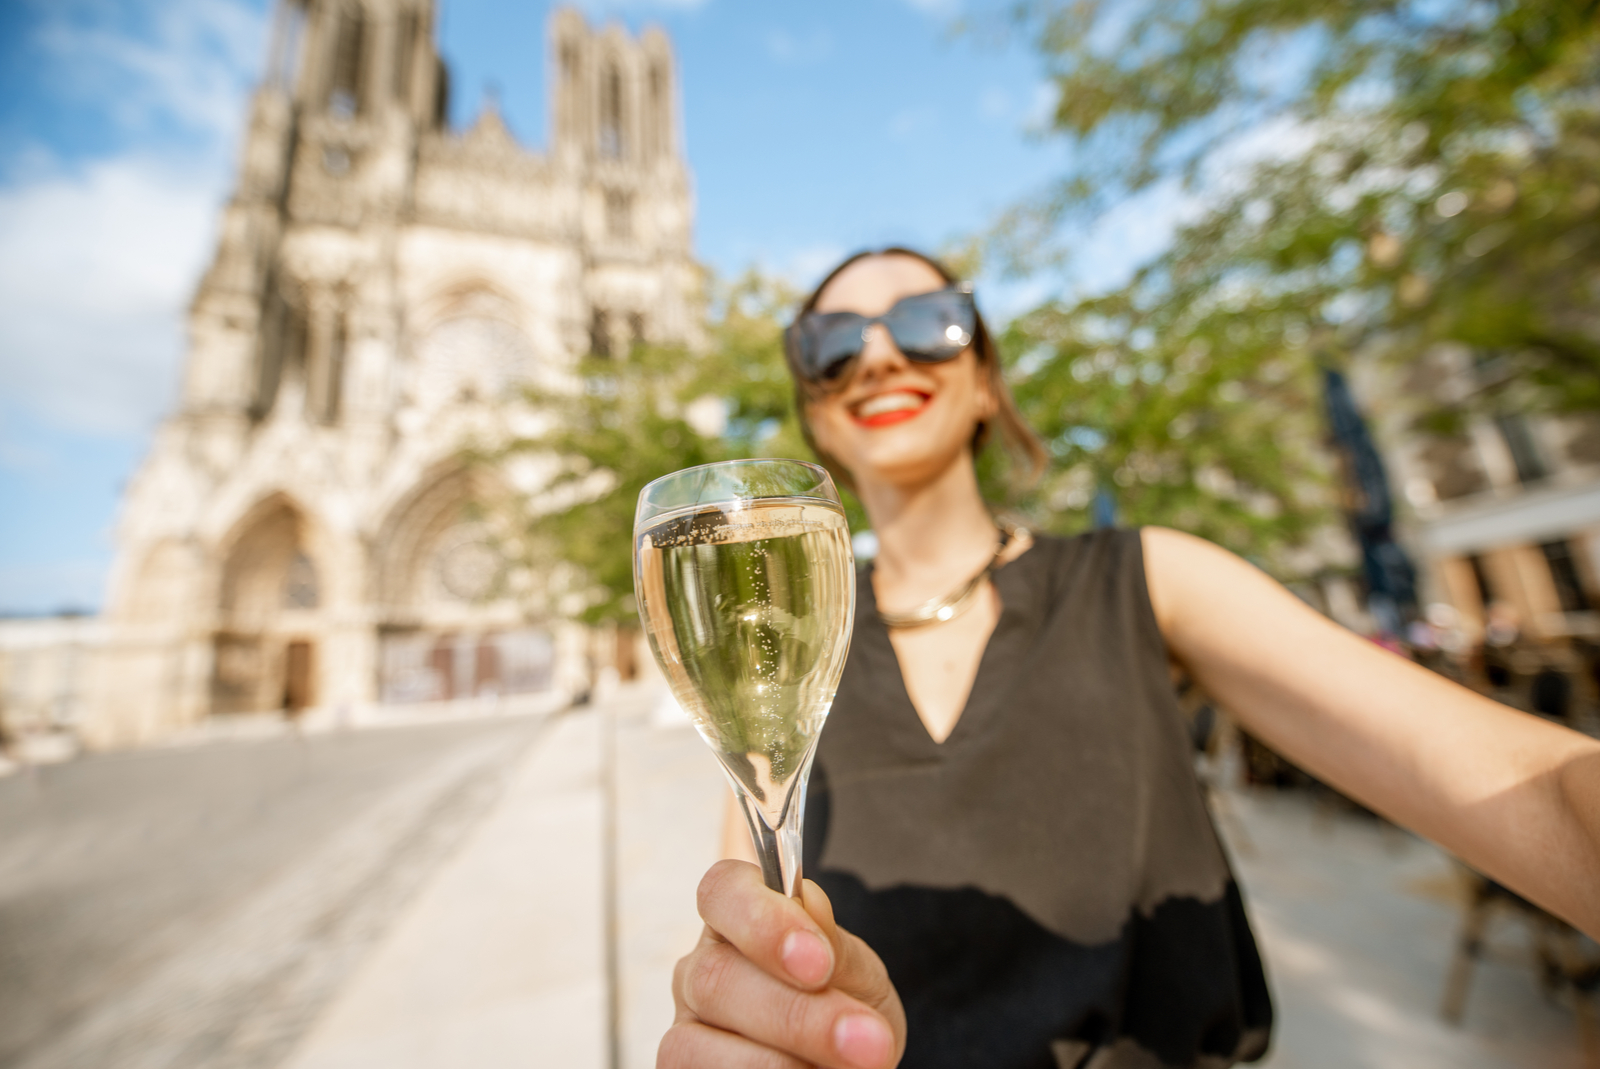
[[812, 129]]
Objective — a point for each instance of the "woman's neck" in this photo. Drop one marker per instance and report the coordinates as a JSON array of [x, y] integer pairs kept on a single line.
[[930, 537]]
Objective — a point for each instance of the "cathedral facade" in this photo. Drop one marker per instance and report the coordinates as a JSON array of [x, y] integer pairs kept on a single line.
[[306, 533]]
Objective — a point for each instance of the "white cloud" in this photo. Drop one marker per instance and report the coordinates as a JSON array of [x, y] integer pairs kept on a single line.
[[1142, 227], [801, 267], [909, 122], [936, 8], [994, 103], [805, 267], [799, 49], [99, 254], [1003, 299], [95, 271], [188, 69], [1279, 139], [1041, 110], [20, 456], [610, 7], [1132, 234]]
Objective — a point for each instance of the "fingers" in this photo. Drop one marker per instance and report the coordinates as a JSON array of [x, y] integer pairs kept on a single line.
[[783, 974], [861, 973], [857, 970], [692, 1045], [719, 986], [772, 930]]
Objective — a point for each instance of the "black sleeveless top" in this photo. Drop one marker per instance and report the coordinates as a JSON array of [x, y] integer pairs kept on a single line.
[[1045, 886]]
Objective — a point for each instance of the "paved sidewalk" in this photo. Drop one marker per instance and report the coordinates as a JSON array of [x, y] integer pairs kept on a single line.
[[671, 793], [1357, 921], [500, 961]]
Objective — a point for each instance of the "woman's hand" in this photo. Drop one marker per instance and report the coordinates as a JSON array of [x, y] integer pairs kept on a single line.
[[772, 985]]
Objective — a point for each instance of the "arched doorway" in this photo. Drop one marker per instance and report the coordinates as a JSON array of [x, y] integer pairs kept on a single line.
[[452, 629], [269, 616]]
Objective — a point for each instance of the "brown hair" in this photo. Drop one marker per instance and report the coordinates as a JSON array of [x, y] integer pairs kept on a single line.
[[1027, 453]]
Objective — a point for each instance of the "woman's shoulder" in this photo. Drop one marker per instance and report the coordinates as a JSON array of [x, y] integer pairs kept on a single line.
[[1098, 546], [1093, 570]]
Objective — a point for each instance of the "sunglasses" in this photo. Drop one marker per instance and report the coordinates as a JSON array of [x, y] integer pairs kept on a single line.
[[929, 328]]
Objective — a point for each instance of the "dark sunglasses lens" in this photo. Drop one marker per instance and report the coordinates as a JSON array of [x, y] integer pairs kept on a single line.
[[931, 327], [829, 342]]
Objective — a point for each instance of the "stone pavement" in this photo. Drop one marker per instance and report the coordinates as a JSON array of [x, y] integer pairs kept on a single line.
[[198, 908], [500, 962], [1357, 922], [432, 897]]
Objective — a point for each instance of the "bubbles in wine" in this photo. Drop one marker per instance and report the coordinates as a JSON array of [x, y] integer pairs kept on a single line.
[[743, 604]]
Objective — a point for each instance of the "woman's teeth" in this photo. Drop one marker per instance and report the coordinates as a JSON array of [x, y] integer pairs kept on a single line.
[[898, 401]]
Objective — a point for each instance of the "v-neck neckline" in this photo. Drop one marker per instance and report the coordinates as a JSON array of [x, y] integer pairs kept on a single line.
[[980, 698]]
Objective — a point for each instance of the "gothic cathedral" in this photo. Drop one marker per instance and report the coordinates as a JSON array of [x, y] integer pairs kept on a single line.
[[304, 533]]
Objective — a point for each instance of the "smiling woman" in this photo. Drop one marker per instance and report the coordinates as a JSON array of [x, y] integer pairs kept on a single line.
[[823, 347], [1014, 863]]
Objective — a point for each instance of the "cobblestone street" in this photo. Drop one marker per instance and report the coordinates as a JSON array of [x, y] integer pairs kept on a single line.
[[432, 897]]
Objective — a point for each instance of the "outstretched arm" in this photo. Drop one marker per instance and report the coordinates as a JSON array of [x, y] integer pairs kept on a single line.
[[1512, 795]]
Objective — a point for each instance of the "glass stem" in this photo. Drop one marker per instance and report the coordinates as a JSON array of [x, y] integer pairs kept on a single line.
[[779, 848]]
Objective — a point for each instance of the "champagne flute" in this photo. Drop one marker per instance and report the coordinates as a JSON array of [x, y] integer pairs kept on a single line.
[[746, 588]]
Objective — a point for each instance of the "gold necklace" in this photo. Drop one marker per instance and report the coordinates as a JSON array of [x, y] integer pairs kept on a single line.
[[949, 606]]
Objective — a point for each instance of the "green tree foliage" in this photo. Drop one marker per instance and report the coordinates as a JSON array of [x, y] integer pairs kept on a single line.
[[621, 422], [1188, 417], [1371, 176]]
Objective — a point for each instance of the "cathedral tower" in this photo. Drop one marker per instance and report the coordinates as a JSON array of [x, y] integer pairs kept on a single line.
[[303, 534]]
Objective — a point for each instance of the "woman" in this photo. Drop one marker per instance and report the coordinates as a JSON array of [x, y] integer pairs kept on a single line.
[[1013, 863]]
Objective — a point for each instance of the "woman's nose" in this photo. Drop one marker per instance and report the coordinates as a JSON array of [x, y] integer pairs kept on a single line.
[[879, 354]]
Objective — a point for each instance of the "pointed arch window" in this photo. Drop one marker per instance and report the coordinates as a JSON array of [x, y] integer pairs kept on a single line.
[[326, 386], [349, 46], [611, 126], [619, 214], [405, 58], [658, 110], [282, 345], [283, 56]]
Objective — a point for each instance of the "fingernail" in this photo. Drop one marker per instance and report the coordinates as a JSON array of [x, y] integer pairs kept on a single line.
[[806, 957], [862, 1040]]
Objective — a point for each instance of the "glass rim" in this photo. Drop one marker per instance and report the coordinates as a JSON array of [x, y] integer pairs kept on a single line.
[[821, 489]]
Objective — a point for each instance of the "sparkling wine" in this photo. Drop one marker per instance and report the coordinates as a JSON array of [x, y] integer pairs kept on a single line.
[[745, 604]]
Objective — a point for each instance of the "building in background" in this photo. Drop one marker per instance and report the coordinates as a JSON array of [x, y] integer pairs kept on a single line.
[[1505, 506], [42, 678], [305, 532]]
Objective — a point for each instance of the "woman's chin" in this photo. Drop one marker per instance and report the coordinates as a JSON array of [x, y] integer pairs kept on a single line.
[[900, 461]]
